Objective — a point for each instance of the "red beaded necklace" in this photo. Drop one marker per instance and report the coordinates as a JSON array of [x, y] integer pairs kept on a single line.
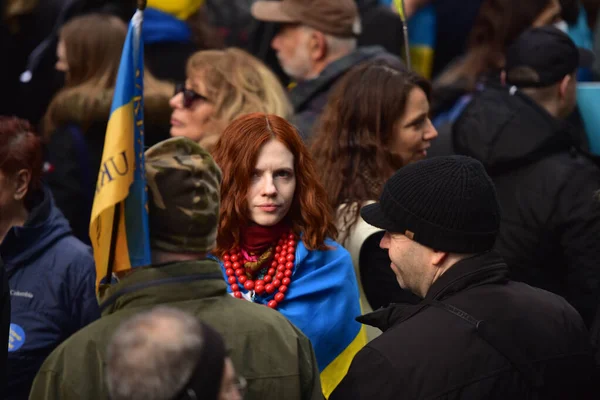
[[278, 276]]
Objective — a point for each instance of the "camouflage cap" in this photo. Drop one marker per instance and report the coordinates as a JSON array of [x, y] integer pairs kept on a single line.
[[184, 183]]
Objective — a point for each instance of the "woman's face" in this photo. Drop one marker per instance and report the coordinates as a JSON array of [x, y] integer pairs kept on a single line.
[[272, 185], [192, 112], [413, 132], [61, 57]]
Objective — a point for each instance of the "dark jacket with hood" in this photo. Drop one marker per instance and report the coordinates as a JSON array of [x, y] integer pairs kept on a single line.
[[74, 153], [550, 215], [309, 97], [476, 335], [52, 286]]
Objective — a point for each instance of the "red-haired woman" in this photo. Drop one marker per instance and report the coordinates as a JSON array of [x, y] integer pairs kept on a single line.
[[51, 273], [274, 239]]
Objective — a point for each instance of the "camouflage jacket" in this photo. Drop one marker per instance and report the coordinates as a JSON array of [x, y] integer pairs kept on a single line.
[[276, 359]]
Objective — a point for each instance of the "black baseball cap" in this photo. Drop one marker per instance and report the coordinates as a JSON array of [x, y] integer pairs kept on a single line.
[[549, 52]]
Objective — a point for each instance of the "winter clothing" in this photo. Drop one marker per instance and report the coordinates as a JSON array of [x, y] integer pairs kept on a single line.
[[274, 357], [377, 283], [184, 184], [52, 283], [323, 301], [354, 239], [550, 219], [445, 203], [310, 97], [476, 335]]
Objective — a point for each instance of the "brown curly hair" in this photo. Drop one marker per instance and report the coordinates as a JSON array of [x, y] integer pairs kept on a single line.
[[353, 135], [236, 153]]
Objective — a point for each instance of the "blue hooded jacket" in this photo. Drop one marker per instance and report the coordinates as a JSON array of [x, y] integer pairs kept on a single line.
[[52, 289]]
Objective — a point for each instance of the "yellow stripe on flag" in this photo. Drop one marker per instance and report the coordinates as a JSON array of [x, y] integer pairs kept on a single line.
[[114, 179], [333, 374]]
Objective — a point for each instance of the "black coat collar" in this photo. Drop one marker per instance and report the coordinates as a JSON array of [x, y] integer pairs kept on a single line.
[[481, 269]]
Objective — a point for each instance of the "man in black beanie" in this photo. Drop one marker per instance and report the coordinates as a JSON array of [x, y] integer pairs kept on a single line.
[[476, 334]]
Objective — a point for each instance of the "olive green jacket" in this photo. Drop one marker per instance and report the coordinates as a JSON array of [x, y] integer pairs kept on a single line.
[[276, 359]]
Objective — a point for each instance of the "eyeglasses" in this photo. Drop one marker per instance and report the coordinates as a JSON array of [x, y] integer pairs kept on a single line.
[[189, 96]]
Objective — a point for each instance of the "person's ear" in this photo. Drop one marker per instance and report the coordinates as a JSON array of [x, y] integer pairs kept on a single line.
[[317, 46], [564, 86], [21, 183], [438, 257], [503, 78]]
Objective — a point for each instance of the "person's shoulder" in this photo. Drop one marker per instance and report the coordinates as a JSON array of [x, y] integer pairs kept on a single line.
[[73, 252], [332, 252], [82, 350], [76, 367]]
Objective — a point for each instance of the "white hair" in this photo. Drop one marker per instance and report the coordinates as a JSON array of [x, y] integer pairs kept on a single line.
[[152, 355], [340, 45]]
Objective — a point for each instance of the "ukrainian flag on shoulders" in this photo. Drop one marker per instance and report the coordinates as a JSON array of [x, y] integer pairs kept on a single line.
[[119, 223]]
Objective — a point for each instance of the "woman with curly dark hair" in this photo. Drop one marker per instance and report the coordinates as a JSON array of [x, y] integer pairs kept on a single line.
[[376, 121], [274, 239]]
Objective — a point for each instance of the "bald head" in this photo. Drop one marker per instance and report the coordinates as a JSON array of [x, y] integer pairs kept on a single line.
[[152, 355]]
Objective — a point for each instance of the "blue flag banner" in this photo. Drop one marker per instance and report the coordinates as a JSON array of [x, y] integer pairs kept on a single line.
[[119, 229], [588, 100]]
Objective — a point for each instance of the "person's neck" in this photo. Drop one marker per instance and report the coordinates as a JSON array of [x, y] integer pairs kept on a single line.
[[320, 66], [449, 261], [18, 217]]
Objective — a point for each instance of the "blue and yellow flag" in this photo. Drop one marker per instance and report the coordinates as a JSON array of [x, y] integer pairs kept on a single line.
[[119, 224]]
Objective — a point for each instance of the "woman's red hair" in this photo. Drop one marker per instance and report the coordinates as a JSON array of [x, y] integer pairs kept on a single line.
[[20, 148], [236, 153]]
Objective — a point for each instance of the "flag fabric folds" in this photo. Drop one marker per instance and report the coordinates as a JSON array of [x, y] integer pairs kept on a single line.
[[119, 222], [323, 302]]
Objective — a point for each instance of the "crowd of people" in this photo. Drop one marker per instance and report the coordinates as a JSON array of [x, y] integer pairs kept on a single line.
[[327, 217]]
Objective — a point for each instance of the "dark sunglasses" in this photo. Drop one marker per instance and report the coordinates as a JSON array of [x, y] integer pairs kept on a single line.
[[189, 96]]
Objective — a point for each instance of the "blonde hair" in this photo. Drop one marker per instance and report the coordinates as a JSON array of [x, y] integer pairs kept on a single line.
[[237, 84], [93, 44]]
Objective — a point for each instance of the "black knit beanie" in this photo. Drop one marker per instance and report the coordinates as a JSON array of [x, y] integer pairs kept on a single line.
[[445, 203]]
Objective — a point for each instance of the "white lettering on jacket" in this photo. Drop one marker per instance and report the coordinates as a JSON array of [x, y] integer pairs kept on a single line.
[[16, 293]]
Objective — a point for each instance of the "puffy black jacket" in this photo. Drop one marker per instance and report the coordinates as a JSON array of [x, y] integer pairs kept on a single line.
[[476, 335], [550, 230]]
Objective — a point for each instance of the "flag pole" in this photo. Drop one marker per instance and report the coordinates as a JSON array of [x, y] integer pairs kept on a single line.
[[141, 5], [402, 12]]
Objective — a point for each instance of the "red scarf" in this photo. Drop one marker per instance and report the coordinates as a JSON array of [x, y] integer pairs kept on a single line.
[[257, 239]]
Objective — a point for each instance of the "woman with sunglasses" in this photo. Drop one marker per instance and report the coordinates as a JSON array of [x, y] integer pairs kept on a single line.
[[88, 52], [274, 239], [221, 85]]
